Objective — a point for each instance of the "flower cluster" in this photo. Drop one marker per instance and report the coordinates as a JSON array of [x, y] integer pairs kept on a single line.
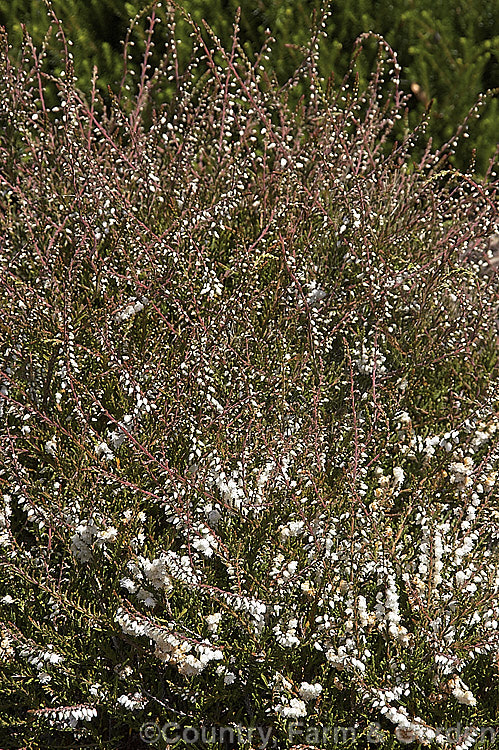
[[171, 648]]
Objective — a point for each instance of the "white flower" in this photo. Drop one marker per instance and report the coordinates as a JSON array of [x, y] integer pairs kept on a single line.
[[108, 535], [145, 596], [213, 621], [290, 569], [129, 585], [462, 693], [53, 658], [337, 660], [289, 638], [190, 666], [104, 451], [156, 572], [123, 672], [309, 692], [81, 540], [295, 709], [131, 702], [398, 475], [316, 294], [293, 528], [130, 310], [203, 546], [51, 446], [307, 587], [229, 677], [467, 698], [460, 472], [117, 438]]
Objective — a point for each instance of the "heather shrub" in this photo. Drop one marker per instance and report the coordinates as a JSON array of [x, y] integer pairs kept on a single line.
[[249, 430]]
